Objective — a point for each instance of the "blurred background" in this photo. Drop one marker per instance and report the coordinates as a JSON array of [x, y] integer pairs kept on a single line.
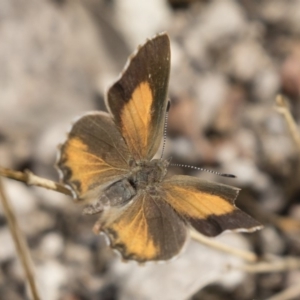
[[229, 61]]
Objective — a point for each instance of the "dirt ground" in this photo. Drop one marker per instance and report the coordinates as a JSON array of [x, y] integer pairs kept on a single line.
[[229, 61]]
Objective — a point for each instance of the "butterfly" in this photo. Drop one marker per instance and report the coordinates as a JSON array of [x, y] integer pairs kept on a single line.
[[107, 162]]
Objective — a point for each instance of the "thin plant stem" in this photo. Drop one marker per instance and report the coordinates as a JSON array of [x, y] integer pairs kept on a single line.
[[32, 179], [278, 264], [245, 255], [19, 241], [283, 108]]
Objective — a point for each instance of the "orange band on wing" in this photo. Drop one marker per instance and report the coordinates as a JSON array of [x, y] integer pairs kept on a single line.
[[133, 229], [147, 229], [83, 165], [136, 116], [207, 206], [197, 204]]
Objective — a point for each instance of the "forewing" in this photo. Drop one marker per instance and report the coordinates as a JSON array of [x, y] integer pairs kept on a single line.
[[93, 155], [207, 206], [138, 100], [146, 229]]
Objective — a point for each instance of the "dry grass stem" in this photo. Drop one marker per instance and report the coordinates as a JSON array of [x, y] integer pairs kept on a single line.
[[244, 254], [19, 241], [283, 108], [31, 179], [274, 265]]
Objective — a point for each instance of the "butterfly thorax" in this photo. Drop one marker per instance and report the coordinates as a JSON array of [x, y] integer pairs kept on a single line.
[[146, 174]]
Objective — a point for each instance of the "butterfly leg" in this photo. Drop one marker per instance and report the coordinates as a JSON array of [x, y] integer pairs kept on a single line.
[[92, 209]]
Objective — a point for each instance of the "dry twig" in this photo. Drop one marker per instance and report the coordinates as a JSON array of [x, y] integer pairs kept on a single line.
[[245, 255], [277, 264], [20, 243], [31, 179], [283, 108]]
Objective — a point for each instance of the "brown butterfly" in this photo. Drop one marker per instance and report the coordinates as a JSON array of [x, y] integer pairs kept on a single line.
[[107, 162]]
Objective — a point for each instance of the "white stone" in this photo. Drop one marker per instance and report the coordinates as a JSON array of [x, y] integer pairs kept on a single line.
[[266, 85], [247, 59], [272, 242], [223, 19], [51, 245], [246, 172], [51, 278], [7, 248], [218, 21], [20, 197], [211, 92], [139, 20]]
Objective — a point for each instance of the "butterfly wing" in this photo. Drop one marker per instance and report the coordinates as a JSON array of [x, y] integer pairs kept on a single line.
[[207, 206], [94, 155], [144, 230], [138, 100]]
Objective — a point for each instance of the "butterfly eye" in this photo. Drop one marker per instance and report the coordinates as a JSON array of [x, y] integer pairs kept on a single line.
[[132, 183], [168, 105]]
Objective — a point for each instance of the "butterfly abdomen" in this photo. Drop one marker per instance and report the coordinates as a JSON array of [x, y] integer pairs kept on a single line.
[[117, 194]]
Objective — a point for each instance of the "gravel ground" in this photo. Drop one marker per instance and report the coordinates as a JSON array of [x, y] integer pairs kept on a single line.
[[229, 61]]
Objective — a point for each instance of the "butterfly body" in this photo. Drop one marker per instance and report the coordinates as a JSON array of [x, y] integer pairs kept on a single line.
[[107, 161], [148, 174], [115, 195], [144, 177]]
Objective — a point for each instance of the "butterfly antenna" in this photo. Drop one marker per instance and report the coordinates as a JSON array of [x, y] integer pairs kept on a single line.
[[165, 130], [205, 170]]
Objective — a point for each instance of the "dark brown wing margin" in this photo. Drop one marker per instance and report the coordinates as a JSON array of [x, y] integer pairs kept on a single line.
[[138, 100]]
